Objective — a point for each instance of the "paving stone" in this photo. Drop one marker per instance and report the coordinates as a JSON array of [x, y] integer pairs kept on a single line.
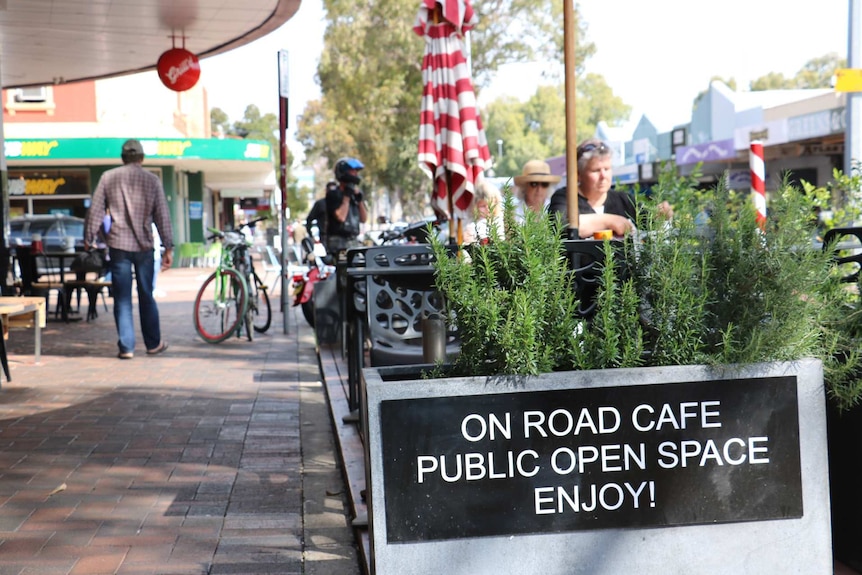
[[191, 462]]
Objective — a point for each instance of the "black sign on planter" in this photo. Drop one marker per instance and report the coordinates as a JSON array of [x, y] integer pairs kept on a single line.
[[613, 457]]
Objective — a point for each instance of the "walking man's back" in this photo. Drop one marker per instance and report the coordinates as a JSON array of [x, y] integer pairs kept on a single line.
[[136, 200]]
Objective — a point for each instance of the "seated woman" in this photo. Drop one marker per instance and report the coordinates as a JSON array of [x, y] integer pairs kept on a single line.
[[599, 207], [531, 188], [488, 208]]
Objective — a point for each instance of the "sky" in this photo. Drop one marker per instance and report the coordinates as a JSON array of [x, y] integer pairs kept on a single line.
[[657, 56], [658, 69], [249, 75]]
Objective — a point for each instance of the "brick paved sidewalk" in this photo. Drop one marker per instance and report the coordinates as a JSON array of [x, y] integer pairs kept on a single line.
[[206, 459]]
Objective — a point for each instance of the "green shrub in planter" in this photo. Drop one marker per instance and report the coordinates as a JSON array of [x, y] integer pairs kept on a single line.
[[511, 299], [709, 287]]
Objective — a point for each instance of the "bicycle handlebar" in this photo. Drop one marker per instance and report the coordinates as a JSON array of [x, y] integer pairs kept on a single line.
[[252, 223], [417, 231], [217, 233]]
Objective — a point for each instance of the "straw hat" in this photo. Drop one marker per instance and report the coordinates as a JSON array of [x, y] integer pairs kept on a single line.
[[536, 171]]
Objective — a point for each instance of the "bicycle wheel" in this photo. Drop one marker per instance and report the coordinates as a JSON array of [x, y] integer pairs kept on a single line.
[[220, 305], [308, 312], [258, 301]]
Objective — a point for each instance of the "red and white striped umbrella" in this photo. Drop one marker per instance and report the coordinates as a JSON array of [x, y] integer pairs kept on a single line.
[[452, 145]]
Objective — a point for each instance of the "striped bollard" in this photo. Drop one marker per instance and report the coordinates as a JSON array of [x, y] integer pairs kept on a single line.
[[758, 180]]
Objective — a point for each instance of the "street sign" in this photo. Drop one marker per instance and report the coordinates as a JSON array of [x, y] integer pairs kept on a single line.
[[848, 80], [283, 75]]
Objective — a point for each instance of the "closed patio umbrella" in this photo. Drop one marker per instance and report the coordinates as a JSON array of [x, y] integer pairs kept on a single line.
[[452, 145]]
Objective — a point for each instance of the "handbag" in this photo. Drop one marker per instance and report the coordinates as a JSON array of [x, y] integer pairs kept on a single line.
[[88, 261]]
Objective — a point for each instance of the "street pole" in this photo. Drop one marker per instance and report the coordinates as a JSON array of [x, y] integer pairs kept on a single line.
[[283, 95], [569, 41], [852, 137]]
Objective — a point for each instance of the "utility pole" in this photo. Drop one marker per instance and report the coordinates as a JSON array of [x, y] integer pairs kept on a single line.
[[283, 95], [569, 40], [853, 109]]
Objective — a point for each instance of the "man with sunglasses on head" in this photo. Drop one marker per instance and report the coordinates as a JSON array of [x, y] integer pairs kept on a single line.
[[532, 188], [599, 207]]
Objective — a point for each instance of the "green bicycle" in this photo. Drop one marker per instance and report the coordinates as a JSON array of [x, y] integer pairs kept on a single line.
[[233, 296]]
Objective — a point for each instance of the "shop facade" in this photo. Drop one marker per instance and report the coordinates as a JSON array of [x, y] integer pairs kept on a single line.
[[802, 132], [202, 178]]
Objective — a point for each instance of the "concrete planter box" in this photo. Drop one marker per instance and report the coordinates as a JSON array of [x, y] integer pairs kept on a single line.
[[845, 469], [683, 469]]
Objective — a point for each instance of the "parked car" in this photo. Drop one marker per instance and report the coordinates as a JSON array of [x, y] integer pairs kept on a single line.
[[54, 229]]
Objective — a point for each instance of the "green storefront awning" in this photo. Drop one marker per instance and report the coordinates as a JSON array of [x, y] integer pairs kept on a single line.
[[154, 149]]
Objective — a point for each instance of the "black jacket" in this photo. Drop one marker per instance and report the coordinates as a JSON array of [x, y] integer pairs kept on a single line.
[[619, 203]]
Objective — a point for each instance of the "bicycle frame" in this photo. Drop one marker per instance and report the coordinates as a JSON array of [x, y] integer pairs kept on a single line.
[[223, 282], [233, 283]]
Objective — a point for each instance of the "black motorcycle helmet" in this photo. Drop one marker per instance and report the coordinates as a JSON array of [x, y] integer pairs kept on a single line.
[[342, 168]]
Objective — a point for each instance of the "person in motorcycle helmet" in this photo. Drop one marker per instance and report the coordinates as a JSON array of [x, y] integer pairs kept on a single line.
[[345, 207]]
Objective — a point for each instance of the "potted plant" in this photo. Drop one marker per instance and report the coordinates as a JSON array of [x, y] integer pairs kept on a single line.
[[708, 344], [729, 291]]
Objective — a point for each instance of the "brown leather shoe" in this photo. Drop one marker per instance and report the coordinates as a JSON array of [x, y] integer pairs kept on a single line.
[[158, 349]]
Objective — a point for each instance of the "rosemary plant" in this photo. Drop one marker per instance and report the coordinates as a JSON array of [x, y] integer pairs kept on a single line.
[[511, 300], [713, 286]]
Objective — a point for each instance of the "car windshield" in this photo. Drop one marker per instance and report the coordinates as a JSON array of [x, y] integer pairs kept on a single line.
[[16, 229], [52, 230], [75, 229], [29, 228]]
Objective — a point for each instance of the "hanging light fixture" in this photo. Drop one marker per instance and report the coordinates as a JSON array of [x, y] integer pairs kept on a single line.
[[178, 68]]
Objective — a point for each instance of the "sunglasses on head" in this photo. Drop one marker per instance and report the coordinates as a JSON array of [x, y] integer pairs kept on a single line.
[[590, 147], [537, 184]]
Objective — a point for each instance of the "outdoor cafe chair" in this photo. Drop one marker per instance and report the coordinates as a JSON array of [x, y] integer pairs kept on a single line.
[[40, 277], [400, 295], [847, 241]]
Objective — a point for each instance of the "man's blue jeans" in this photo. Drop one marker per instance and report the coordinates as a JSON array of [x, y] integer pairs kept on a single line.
[[121, 279]]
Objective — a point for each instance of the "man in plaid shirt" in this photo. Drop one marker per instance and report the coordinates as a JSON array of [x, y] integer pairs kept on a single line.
[[136, 200]]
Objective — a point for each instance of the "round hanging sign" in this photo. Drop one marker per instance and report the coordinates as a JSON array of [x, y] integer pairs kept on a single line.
[[178, 69]]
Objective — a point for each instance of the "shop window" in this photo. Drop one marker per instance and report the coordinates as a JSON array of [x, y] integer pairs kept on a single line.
[[48, 191], [796, 176], [31, 94], [49, 183], [40, 99]]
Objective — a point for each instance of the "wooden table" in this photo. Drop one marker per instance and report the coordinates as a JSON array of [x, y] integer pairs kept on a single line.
[[21, 312]]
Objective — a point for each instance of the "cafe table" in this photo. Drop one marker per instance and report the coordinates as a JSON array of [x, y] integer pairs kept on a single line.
[[21, 311]]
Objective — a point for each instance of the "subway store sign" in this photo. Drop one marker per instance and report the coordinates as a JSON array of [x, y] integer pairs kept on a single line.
[[154, 149]]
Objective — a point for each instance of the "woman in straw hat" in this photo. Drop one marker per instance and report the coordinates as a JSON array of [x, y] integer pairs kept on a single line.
[[532, 187]]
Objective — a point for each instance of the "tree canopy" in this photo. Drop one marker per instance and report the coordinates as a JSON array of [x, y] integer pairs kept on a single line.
[[521, 131], [256, 126], [252, 126], [816, 73], [371, 86]]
